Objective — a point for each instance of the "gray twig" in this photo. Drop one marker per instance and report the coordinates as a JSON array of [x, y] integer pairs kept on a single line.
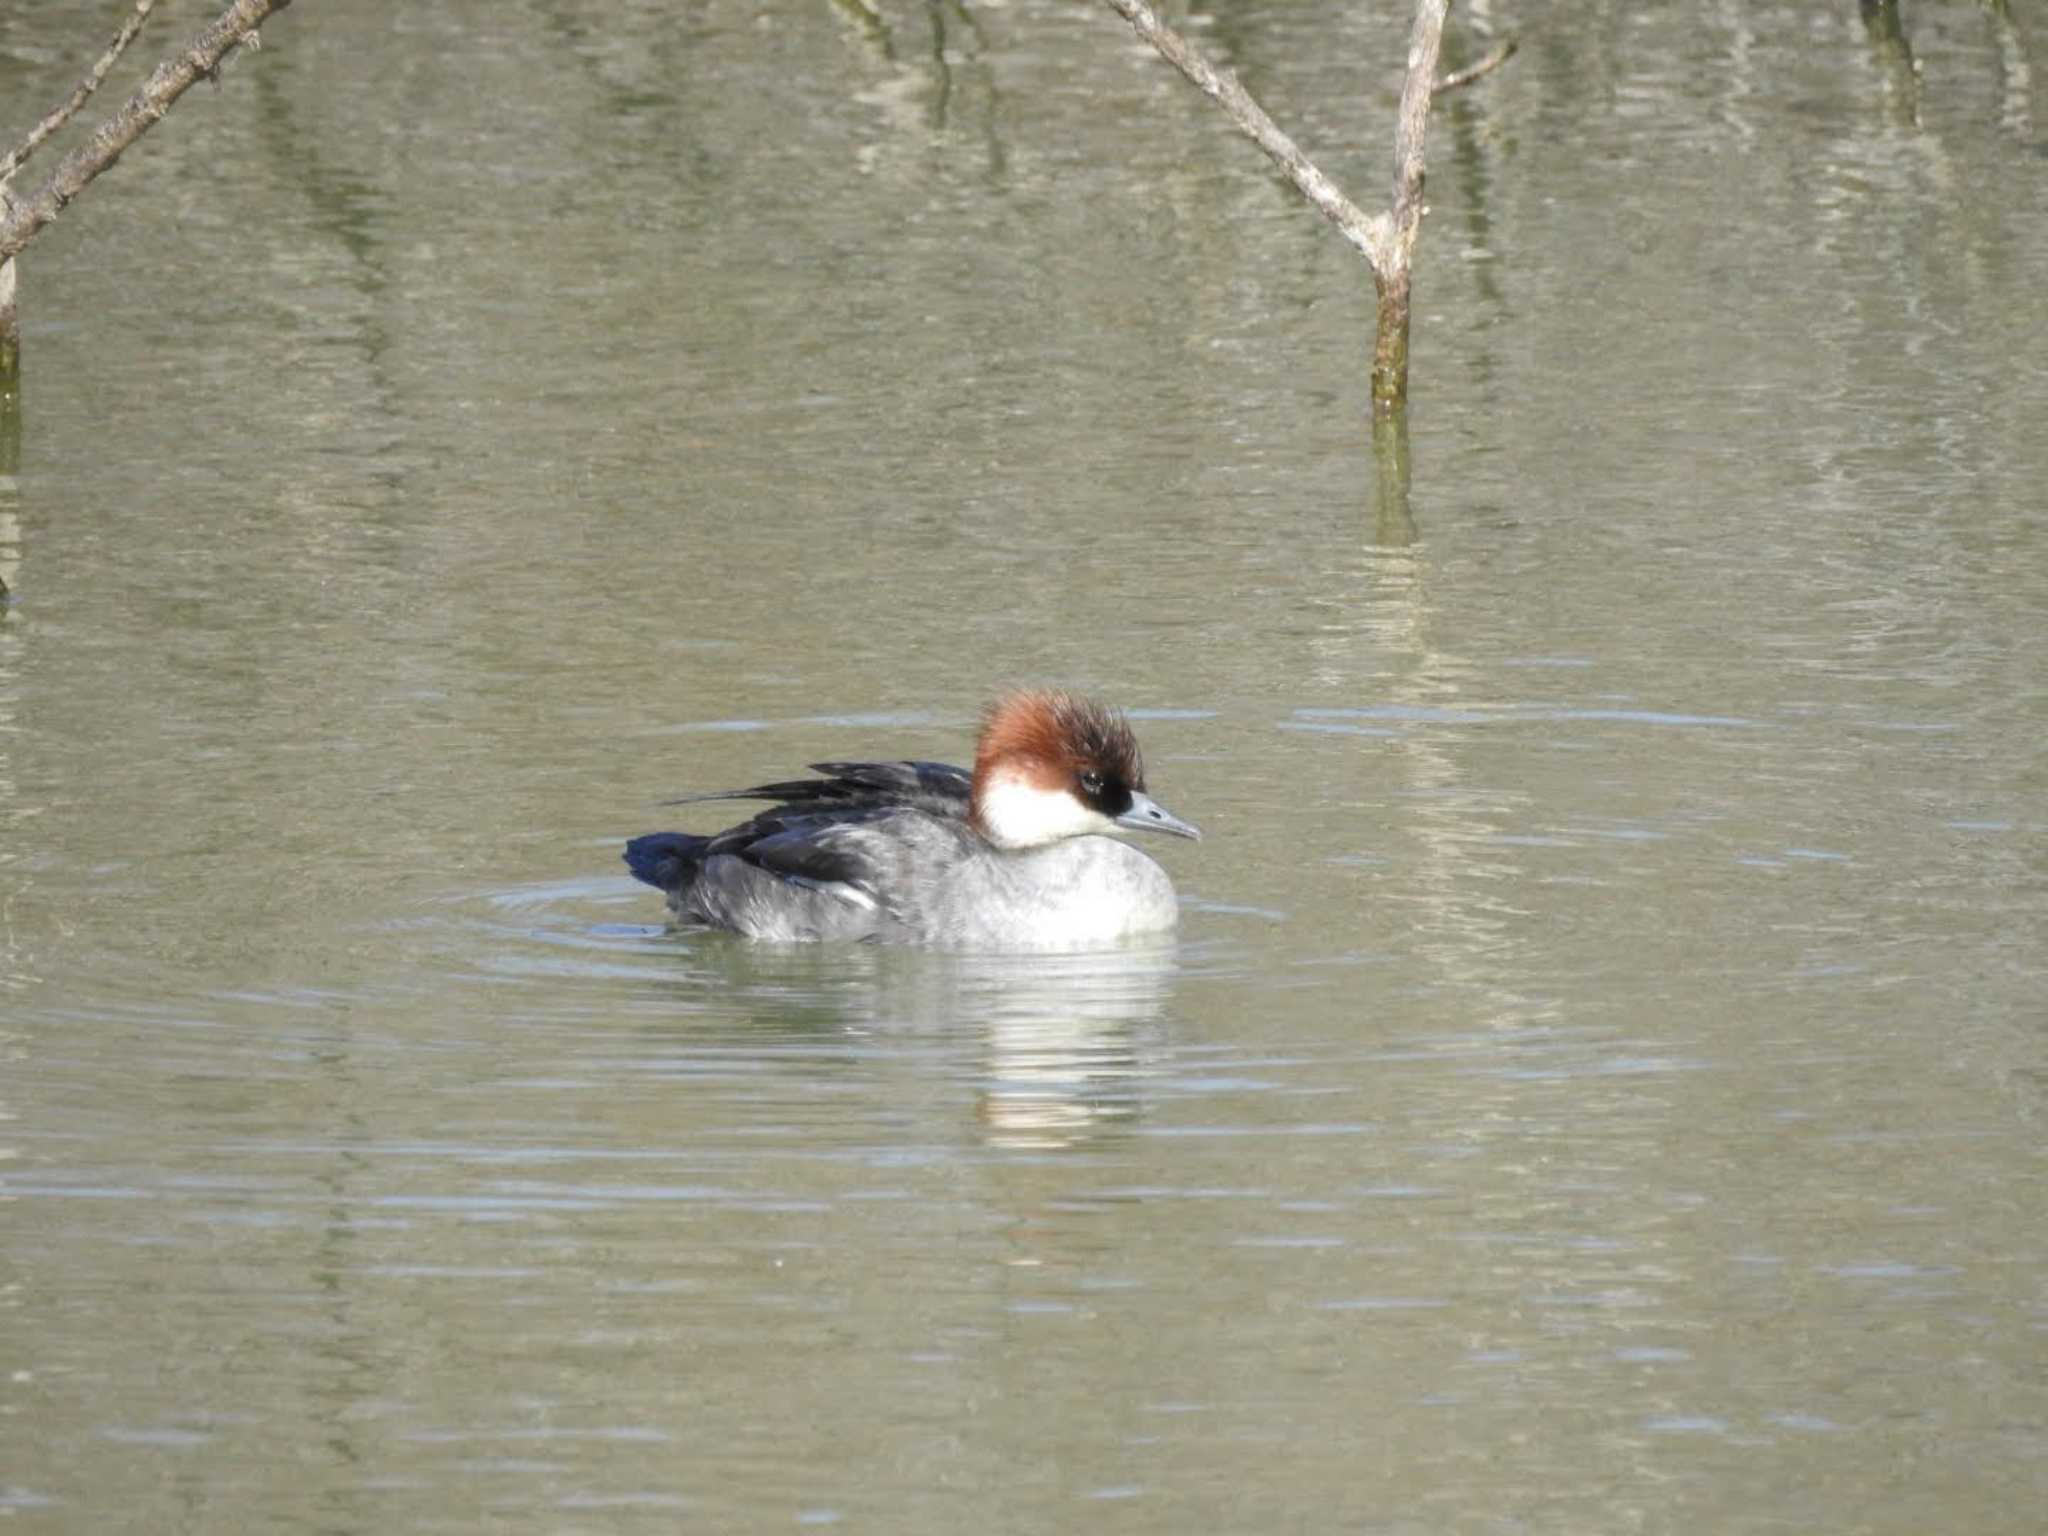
[[61, 115], [20, 222], [1501, 53]]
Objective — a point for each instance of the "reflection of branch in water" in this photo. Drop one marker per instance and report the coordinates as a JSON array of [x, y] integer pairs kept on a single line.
[[941, 70], [1450, 886], [2015, 114], [1393, 525], [14, 959], [1894, 53], [941, 66], [871, 24], [914, 97], [10, 442]]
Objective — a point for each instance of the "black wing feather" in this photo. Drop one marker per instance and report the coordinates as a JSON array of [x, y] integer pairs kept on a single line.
[[803, 848], [939, 788], [794, 839]]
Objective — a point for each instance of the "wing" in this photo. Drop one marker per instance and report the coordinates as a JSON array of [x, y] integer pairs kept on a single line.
[[866, 858], [819, 850], [937, 788], [845, 839]]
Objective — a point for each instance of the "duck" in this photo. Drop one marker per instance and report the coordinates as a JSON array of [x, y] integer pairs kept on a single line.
[[1022, 852]]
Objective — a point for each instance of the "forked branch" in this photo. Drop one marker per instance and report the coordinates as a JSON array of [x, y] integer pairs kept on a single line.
[[61, 115], [1386, 239], [200, 58], [1222, 87]]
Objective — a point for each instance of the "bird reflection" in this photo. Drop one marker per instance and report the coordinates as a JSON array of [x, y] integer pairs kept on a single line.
[[1058, 1046], [1067, 1041]]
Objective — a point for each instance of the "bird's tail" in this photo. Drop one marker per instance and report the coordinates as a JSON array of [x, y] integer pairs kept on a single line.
[[668, 861]]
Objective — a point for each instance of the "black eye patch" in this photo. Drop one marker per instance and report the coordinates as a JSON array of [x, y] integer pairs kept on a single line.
[[1105, 792]]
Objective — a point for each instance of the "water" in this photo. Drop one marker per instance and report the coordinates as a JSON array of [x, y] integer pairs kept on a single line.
[[1597, 1083]]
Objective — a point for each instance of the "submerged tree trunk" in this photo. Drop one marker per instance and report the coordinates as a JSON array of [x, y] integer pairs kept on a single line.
[[1387, 239], [1392, 275]]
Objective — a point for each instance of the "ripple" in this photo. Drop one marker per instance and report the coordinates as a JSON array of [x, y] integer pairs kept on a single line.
[[543, 931], [871, 720], [173, 1438], [1511, 714]]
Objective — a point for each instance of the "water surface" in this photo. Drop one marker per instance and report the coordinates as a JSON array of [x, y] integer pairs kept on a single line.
[[1597, 1083]]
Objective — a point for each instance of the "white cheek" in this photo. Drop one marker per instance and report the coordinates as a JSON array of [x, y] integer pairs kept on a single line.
[[1018, 814]]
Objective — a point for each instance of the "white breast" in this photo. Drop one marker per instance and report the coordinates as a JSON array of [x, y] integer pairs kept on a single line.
[[1075, 894]]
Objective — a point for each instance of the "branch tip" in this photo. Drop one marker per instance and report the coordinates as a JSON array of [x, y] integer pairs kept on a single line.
[[1499, 55]]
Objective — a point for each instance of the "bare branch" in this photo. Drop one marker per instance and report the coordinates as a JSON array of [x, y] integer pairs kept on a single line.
[[1387, 239], [1251, 119], [236, 25], [1501, 53], [58, 118], [1413, 122]]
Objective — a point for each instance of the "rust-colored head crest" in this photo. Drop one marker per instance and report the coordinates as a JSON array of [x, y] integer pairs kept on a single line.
[[1054, 737]]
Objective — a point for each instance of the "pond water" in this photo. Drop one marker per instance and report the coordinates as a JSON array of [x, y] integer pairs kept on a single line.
[[1598, 1081]]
